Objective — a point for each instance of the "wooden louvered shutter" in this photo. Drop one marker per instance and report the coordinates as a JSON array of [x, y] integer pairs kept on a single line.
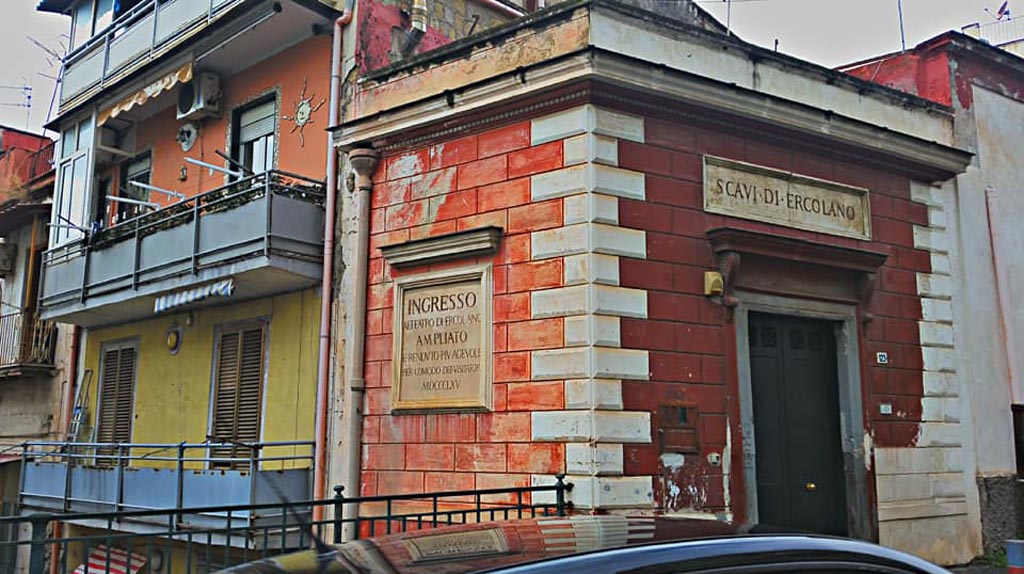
[[117, 386], [238, 393]]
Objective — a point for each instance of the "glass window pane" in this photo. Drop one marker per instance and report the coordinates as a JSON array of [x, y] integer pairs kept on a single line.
[[63, 205], [79, 191], [104, 14], [268, 153], [84, 135], [82, 27], [68, 140]]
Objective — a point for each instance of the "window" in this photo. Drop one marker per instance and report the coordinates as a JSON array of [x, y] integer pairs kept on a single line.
[[73, 182], [254, 136], [237, 391], [117, 389], [90, 18], [139, 170]]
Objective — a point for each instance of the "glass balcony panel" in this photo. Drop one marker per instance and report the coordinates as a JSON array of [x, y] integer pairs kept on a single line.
[[265, 231], [83, 73], [176, 15], [131, 44]]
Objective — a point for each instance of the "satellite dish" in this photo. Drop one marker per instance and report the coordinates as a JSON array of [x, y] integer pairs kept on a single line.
[[187, 135]]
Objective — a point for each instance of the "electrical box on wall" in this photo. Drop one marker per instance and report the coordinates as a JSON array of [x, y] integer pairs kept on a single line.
[[678, 426], [8, 253]]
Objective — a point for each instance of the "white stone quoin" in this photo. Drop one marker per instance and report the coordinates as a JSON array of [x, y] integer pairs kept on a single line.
[[593, 365]]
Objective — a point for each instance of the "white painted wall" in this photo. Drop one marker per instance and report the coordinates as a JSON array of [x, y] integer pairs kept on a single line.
[[990, 325], [1000, 140], [804, 83]]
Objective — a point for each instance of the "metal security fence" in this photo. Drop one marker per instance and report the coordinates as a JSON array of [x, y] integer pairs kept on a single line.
[[169, 541]]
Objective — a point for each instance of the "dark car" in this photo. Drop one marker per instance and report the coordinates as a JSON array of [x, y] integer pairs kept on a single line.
[[597, 545]]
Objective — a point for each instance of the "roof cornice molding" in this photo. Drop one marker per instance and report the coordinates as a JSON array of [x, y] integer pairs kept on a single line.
[[578, 79]]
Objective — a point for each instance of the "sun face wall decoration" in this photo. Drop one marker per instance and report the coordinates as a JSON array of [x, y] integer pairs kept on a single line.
[[303, 115]]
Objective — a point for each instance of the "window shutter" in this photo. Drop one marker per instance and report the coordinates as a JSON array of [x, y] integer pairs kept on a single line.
[[257, 122], [238, 392], [117, 384]]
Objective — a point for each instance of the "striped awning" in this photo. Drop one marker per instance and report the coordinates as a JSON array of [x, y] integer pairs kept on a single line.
[[118, 562], [150, 91]]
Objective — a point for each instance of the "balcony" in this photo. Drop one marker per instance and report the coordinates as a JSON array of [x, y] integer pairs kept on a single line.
[[137, 37], [26, 344], [263, 232], [156, 28], [106, 478]]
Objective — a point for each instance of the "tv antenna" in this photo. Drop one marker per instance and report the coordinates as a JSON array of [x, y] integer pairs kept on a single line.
[[25, 93]]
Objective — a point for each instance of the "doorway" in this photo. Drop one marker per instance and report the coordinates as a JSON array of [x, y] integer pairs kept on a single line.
[[801, 479]]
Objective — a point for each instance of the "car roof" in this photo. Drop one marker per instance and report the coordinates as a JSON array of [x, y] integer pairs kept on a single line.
[[550, 544]]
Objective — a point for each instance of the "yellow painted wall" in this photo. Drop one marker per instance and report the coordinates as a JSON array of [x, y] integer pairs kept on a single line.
[[172, 392]]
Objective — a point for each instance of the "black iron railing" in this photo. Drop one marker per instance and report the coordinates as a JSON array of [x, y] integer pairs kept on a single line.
[[25, 339], [181, 546]]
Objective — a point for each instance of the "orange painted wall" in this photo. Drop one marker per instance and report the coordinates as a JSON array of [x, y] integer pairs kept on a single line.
[[285, 72]]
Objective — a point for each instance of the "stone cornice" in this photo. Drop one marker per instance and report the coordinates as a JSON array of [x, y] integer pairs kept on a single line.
[[471, 243], [639, 85]]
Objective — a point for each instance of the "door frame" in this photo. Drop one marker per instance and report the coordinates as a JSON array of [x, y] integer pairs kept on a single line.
[[851, 407]]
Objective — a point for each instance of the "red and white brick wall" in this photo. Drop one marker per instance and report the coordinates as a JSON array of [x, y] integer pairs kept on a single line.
[[551, 185], [592, 304], [600, 317]]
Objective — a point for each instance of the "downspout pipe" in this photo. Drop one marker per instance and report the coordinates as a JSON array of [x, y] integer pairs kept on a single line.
[[65, 420], [327, 282], [363, 161]]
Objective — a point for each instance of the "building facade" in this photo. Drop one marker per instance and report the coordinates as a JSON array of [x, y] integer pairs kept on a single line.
[[985, 86], [186, 244], [33, 352], [694, 275]]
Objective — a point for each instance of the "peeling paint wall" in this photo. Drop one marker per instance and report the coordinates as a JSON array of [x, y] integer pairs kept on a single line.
[[383, 23]]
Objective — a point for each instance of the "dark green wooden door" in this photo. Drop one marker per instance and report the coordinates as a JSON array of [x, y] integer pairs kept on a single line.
[[801, 483]]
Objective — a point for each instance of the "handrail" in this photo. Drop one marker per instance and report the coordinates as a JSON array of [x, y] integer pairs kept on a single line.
[[117, 457], [123, 21], [558, 486], [26, 340], [66, 450], [277, 181], [100, 44]]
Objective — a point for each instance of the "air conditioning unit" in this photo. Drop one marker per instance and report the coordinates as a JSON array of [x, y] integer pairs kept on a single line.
[[8, 254], [199, 98]]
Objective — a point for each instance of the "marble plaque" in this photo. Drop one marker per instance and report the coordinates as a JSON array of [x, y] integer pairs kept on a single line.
[[442, 341], [753, 192]]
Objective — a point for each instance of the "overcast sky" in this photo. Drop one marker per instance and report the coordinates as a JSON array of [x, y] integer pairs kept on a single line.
[[828, 32]]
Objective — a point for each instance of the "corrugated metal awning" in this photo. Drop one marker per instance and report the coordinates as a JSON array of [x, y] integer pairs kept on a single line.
[[152, 90], [118, 560]]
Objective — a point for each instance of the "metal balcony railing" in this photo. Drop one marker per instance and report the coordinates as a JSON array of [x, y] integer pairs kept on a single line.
[[181, 545], [272, 214], [26, 340], [136, 37], [41, 161], [115, 477], [1000, 32]]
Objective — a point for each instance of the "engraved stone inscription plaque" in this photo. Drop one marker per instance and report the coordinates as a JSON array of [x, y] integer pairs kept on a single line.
[[763, 194], [442, 344]]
